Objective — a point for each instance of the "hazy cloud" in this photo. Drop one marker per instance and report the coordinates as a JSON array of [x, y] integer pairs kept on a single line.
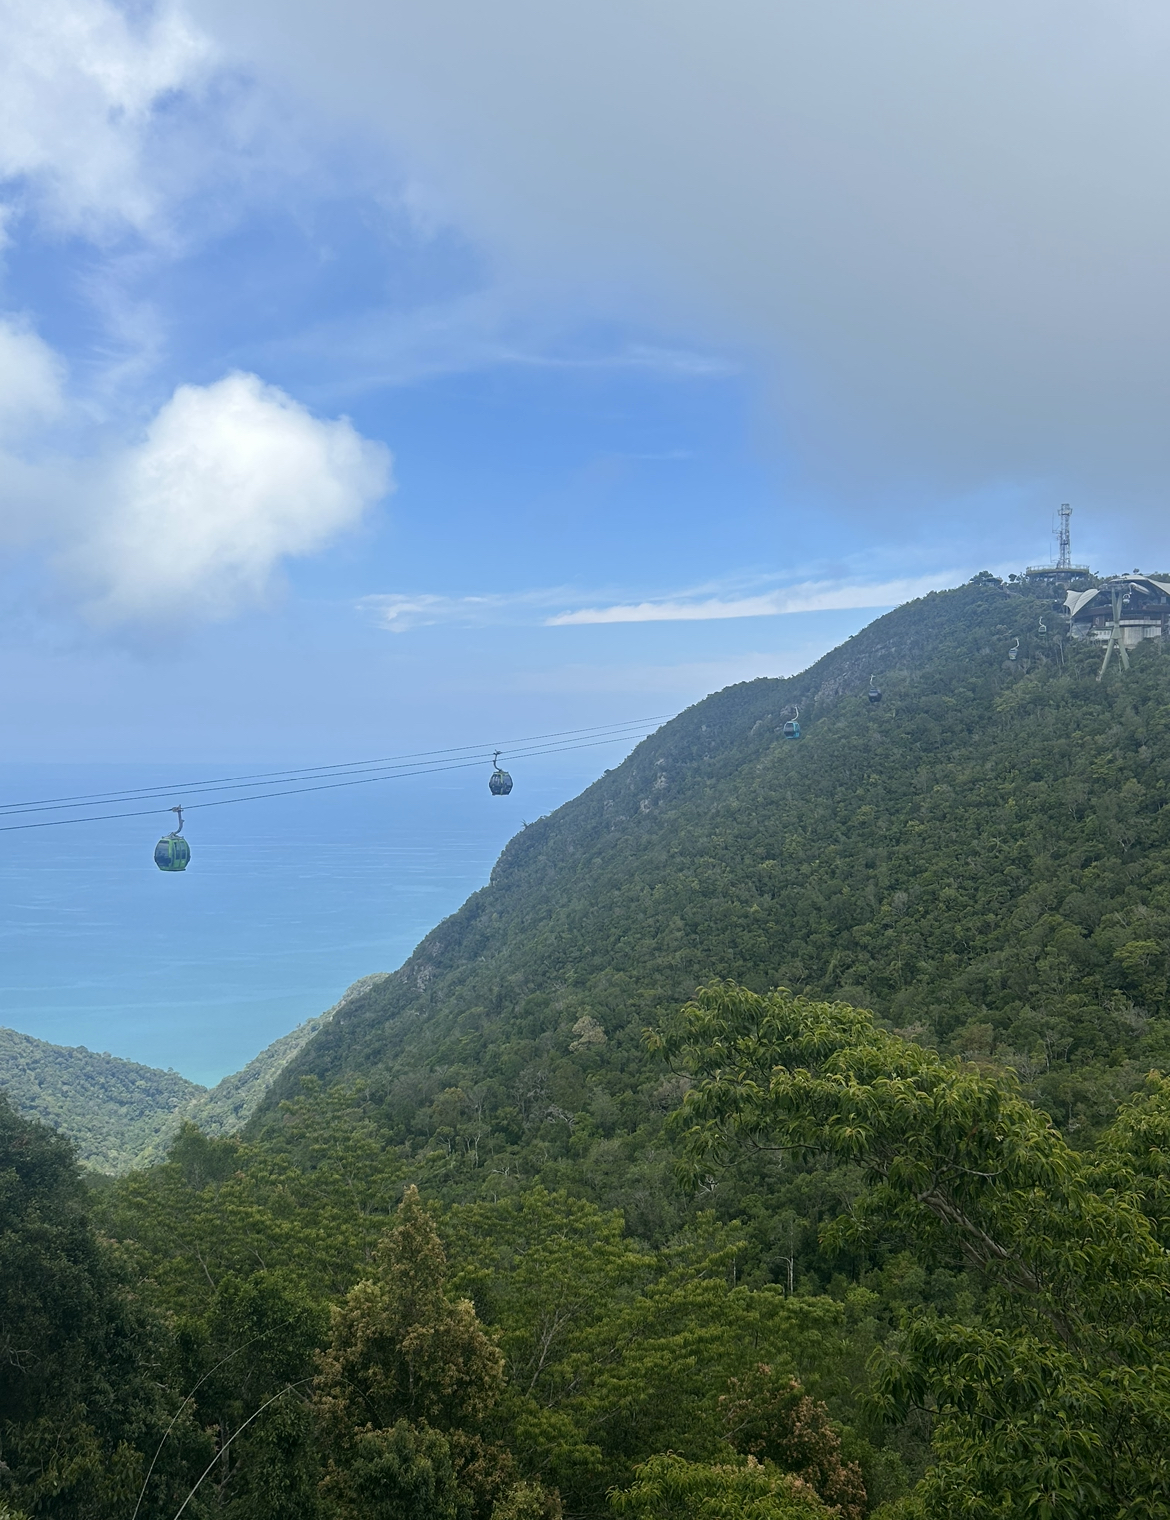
[[32, 378], [501, 326], [943, 227], [400, 614], [32, 400]]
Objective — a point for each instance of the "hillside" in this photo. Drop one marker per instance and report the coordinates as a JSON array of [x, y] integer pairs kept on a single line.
[[117, 1111], [982, 858], [229, 1105], [121, 1114]]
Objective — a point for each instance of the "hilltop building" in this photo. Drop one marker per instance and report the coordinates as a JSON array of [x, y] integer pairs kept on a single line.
[[1119, 611], [1138, 604]]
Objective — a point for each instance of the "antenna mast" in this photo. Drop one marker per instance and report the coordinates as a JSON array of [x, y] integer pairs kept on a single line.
[[1065, 560]]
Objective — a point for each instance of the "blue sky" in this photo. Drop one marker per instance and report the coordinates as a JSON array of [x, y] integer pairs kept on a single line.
[[372, 372]]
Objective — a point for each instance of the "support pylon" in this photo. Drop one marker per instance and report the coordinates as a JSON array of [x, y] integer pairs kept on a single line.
[[1115, 636]]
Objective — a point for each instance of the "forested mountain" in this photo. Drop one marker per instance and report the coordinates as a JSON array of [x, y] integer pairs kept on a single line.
[[575, 1216], [117, 1112], [982, 858]]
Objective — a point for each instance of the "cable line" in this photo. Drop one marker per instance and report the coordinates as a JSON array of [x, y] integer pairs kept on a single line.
[[388, 770], [300, 773]]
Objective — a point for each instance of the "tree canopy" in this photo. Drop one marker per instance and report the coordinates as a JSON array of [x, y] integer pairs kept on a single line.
[[1057, 1400]]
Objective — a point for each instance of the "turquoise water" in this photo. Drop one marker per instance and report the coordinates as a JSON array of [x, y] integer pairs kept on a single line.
[[285, 903]]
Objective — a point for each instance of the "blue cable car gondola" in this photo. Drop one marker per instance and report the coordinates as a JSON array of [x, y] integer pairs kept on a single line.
[[791, 729], [500, 783], [172, 852], [874, 693]]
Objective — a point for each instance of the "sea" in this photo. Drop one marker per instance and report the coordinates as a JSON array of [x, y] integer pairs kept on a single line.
[[286, 901]]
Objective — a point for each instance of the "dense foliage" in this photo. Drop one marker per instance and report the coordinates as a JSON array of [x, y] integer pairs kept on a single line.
[[1056, 1400], [80, 1396], [610, 1351]]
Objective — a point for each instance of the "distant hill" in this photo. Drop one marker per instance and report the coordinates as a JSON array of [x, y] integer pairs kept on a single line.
[[117, 1111], [983, 858], [122, 1114]]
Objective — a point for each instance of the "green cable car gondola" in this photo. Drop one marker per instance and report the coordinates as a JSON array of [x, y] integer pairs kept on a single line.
[[500, 783], [172, 852], [791, 729], [874, 693]]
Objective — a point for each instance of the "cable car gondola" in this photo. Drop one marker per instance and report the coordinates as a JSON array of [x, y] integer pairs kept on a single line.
[[791, 729], [500, 783], [1014, 651], [874, 693], [172, 852]]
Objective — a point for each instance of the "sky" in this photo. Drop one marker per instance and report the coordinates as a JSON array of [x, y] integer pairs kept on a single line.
[[373, 373]]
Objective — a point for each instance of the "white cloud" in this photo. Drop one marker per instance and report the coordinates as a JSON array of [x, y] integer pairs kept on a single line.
[[401, 613], [31, 378], [811, 596], [81, 82], [191, 520], [230, 479]]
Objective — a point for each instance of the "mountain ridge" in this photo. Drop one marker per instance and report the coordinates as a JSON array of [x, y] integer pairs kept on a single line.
[[718, 848], [981, 858]]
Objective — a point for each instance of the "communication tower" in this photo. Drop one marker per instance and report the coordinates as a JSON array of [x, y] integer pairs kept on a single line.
[[1064, 570], [1065, 560]]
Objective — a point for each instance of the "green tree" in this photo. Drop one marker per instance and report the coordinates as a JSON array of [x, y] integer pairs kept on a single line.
[[82, 1396], [403, 1386], [614, 1351], [310, 1202], [769, 1416], [1057, 1401], [249, 1361], [670, 1488]]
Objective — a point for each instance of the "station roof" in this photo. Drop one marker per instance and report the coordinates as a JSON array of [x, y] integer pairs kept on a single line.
[[1079, 601]]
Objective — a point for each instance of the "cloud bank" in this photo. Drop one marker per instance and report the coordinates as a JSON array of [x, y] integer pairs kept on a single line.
[[942, 227], [810, 596]]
